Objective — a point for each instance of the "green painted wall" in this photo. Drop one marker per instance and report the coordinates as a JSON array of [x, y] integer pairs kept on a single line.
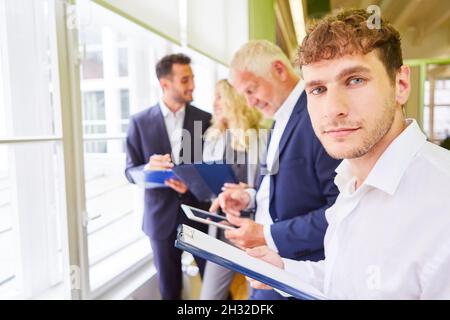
[[262, 20], [316, 9]]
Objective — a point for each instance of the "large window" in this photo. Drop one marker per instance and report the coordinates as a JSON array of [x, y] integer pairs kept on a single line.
[[94, 119], [122, 82], [33, 241], [124, 109], [437, 121], [115, 241], [117, 79]]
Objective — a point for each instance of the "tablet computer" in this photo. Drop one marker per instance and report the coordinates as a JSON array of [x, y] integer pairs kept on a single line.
[[205, 217]]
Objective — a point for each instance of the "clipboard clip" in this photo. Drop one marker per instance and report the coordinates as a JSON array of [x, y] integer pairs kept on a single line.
[[183, 232]]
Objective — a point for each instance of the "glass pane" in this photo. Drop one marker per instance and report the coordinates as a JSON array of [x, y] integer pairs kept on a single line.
[[91, 38], [91, 127], [122, 58], [124, 128], [95, 147], [92, 65], [32, 215], [2, 99], [441, 111], [94, 105], [27, 69], [442, 122], [114, 207], [426, 120], [125, 104], [115, 239], [129, 85], [442, 94], [9, 260]]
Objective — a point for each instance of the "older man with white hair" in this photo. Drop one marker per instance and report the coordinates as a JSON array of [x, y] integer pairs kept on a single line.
[[296, 185]]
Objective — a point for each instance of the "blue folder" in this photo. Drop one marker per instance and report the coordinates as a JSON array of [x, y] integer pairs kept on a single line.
[[205, 180], [157, 178], [214, 257]]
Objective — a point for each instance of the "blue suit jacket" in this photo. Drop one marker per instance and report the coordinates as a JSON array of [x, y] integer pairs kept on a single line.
[[147, 135], [302, 189]]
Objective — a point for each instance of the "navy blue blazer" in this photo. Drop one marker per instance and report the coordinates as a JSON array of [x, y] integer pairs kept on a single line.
[[302, 189], [147, 135]]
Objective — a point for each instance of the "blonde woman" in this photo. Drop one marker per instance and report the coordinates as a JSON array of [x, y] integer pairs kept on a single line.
[[235, 138]]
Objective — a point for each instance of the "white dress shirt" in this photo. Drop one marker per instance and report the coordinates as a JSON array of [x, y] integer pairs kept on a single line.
[[214, 147], [174, 127], [390, 238], [281, 117]]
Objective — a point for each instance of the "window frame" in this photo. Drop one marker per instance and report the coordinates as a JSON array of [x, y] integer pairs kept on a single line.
[[28, 273], [73, 140], [69, 133]]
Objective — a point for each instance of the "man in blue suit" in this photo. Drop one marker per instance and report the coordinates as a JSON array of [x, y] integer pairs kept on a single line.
[[298, 184], [157, 139]]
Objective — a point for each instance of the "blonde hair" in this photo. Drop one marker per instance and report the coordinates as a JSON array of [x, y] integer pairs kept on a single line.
[[237, 116], [257, 57]]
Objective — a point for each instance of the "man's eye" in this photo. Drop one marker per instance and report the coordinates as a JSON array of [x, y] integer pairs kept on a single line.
[[318, 90], [355, 81]]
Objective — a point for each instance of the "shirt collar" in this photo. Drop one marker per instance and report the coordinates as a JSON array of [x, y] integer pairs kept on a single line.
[[166, 111], [391, 166], [288, 105]]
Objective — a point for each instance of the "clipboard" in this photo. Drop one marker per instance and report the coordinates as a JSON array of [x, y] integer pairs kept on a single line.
[[204, 246], [205, 180]]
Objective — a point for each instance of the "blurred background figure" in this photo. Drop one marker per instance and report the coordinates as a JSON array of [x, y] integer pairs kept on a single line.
[[231, 140], [154, 140]]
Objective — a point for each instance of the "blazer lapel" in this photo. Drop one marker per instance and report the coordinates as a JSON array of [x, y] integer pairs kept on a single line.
[[291, 125], [293, 122]]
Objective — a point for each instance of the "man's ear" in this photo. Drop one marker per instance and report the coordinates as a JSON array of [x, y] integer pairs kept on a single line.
[[164, 83], [403, 85], [279, 70]]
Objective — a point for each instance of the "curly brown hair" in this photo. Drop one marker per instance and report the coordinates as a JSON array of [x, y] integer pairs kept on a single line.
[[347, 33]]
